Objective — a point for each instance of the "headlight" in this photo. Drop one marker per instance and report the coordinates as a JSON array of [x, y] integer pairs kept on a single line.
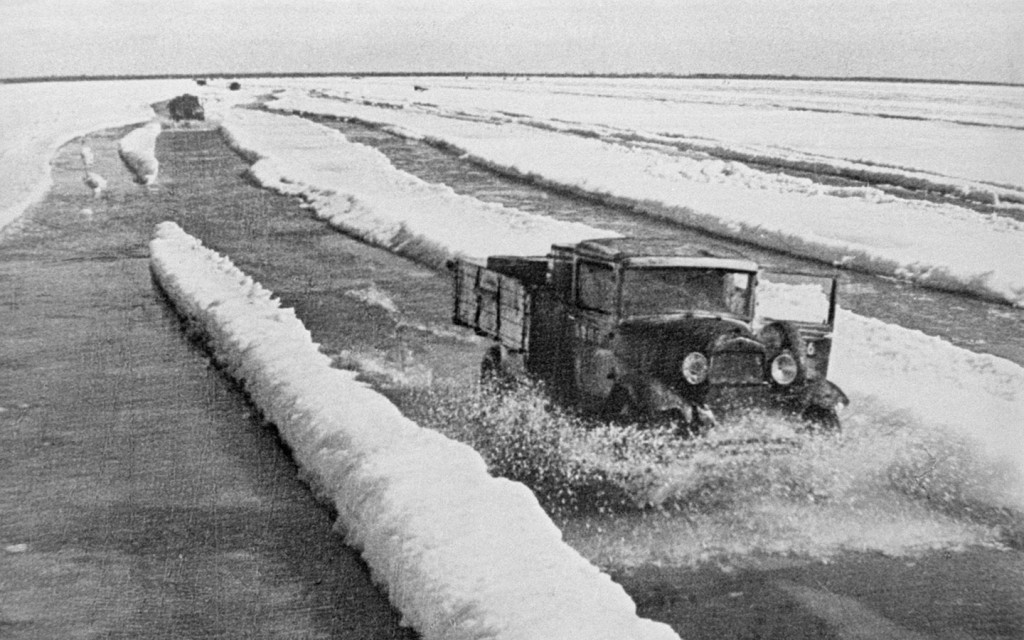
[[784, 368], [695, 368]]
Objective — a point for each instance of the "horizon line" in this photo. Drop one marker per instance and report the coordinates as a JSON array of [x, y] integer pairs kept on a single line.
[[494, 74]]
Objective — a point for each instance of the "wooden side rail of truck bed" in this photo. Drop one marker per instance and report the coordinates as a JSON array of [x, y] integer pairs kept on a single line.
[[495, 299]]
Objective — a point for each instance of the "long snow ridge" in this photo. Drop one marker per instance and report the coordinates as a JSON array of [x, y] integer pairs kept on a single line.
[[462, 554], [138, 150], [358, 190]]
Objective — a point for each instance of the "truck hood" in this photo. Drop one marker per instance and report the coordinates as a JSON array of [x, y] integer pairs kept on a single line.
[[693, 332], [658, 344]]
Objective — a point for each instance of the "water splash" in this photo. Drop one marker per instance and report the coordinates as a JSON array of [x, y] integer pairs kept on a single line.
[[885, 485], [758, 486]]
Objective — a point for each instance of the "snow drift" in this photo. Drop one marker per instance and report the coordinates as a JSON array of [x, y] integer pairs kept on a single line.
[[462, 554], [972, 397], [936, 244], [138, 150], [358, 190]]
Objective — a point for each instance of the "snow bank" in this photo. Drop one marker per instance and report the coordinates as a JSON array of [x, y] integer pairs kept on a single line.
[[939, 245], [88, 157], [138, 150], [37, 118], [950, 136], [96, 182], [979, 398], [462, 554], [358, 190]]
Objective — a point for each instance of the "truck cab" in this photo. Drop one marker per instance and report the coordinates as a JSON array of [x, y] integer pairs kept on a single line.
[[655, 330]]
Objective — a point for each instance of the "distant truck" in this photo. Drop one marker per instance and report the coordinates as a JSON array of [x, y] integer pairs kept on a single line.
[[651, 330], [186, 107]]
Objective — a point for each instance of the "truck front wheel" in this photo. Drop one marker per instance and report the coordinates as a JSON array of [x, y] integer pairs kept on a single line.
[[821, 419], [617, 405], [693, 422]]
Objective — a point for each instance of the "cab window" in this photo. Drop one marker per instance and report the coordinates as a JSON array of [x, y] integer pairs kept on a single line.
[[595, 288]]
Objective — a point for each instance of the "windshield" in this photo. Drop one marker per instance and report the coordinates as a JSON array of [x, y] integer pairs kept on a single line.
[[670, 290]]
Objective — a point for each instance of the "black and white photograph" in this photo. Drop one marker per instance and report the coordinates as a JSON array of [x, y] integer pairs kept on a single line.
[[494, 320]]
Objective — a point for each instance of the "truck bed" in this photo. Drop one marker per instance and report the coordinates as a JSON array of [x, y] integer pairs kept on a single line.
[[495, 299]]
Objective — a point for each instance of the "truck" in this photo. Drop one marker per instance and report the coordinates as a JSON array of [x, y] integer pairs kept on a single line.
[[655, 330], [186, 107]]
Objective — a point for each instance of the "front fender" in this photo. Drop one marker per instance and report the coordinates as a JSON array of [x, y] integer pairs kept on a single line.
[[825, 394], [656, 398], [642, 397], [658, 403]]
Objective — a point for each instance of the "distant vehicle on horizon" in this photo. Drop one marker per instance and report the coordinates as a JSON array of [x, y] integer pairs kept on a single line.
[[186, 107]]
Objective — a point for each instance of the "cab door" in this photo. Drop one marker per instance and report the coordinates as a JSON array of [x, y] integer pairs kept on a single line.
[[592, 323]]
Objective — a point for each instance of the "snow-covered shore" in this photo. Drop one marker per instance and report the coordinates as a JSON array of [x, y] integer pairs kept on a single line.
[[138, 150], [462, 554], [937, 244], [965, 137], [37, 118], [976, 397]]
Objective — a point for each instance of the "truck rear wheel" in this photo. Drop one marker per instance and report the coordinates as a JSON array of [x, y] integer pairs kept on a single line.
[[501, 369], [490, 366]]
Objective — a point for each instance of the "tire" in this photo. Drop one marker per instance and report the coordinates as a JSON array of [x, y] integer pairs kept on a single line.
[[496, 372], [683, 428], [490, 366], [701, 421], [821, 419], [617, 405]]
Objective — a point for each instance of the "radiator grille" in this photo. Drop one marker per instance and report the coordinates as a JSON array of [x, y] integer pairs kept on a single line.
[[737, 367]]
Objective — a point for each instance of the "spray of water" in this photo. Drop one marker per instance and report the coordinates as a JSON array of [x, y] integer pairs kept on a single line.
[[754, 488]]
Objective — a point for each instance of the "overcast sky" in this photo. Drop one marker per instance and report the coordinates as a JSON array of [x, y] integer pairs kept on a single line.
[[936, 39]]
